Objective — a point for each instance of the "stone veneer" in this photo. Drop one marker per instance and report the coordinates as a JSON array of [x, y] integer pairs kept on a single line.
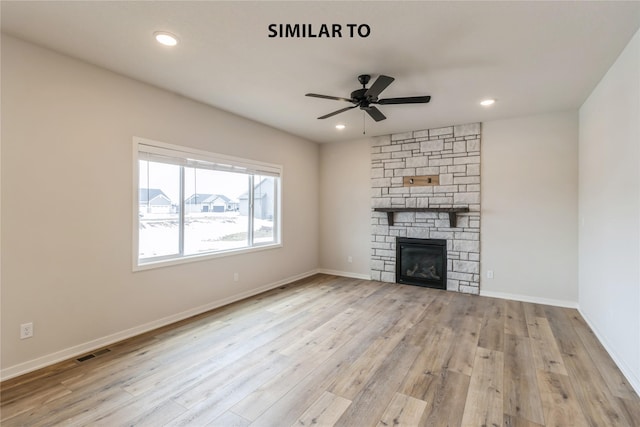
[[451, 152]]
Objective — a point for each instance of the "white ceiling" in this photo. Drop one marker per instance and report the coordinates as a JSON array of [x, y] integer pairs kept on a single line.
[[533, 57]]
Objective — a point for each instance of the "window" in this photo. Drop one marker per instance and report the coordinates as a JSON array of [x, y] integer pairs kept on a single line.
[[193, 204]]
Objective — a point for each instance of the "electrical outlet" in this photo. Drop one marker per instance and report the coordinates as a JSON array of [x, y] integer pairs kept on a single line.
[[489, 274], [349, 259], [236, 277], [26, 330]]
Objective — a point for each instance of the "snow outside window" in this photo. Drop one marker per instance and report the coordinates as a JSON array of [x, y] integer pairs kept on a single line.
[[192, 204]]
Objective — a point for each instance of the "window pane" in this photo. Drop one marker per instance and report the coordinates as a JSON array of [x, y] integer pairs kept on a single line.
[[159, 230], [225, 205], [264, 209], [212, 220]]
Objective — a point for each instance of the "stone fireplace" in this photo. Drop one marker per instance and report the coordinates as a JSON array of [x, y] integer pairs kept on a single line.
[[426, 185]]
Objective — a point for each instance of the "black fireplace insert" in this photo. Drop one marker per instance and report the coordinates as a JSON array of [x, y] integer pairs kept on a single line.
[[421, 262]]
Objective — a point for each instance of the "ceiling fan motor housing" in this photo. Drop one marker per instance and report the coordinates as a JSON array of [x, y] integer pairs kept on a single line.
[[358, 95]]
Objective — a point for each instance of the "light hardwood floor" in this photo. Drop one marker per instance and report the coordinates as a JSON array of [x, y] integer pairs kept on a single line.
[[335, 351]]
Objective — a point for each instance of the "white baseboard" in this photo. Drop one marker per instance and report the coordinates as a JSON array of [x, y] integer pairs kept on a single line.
[[345, 274], [87, 347], [527, 298], [624, 368]]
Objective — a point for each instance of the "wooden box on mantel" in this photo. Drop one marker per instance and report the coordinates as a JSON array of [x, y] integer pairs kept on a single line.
[[421, 180]]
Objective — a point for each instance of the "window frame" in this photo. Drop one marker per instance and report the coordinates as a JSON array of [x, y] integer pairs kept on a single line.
[[191, 158]]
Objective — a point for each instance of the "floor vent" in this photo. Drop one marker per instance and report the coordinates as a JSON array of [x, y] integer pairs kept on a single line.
[[87, 357], [101, 352], [92, 355]]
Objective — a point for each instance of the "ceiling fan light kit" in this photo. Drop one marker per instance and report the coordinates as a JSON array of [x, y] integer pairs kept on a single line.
[[366, 98]]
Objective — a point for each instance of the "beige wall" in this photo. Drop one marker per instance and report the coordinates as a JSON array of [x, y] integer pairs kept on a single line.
[[67, 131], [345, 207], [609, 247], [529, 208]]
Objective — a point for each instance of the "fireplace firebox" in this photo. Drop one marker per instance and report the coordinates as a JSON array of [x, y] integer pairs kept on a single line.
[[421, 262]]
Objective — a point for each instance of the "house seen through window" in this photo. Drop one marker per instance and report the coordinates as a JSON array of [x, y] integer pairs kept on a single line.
[[193, 204]]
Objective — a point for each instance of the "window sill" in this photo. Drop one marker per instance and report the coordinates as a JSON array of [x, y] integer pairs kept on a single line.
[[204, 257]]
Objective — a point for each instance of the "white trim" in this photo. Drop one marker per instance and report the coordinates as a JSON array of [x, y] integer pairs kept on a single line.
[[87, 347], [344, 274], [250, 167], [171, 260], [171, 150], [527, 298], [135, 195], [624, 368]]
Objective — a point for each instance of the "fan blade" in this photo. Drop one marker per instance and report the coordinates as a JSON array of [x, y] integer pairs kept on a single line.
[[375, 114], [336, 112], [335, 98], [406, 100], [378, 86]]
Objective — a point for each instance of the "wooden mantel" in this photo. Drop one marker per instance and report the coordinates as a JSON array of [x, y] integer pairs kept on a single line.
[[453, 213]]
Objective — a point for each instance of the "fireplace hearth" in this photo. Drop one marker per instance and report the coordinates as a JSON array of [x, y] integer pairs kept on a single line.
[[421, 262]]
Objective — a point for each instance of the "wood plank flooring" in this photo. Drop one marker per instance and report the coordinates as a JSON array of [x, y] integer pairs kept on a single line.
[[330, 351]]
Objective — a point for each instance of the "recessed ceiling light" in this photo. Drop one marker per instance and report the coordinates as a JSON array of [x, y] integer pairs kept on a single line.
[[165, 38], [487, 102], [340, 127]]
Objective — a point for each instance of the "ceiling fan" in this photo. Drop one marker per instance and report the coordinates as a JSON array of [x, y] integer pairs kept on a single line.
[[365, 98]]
